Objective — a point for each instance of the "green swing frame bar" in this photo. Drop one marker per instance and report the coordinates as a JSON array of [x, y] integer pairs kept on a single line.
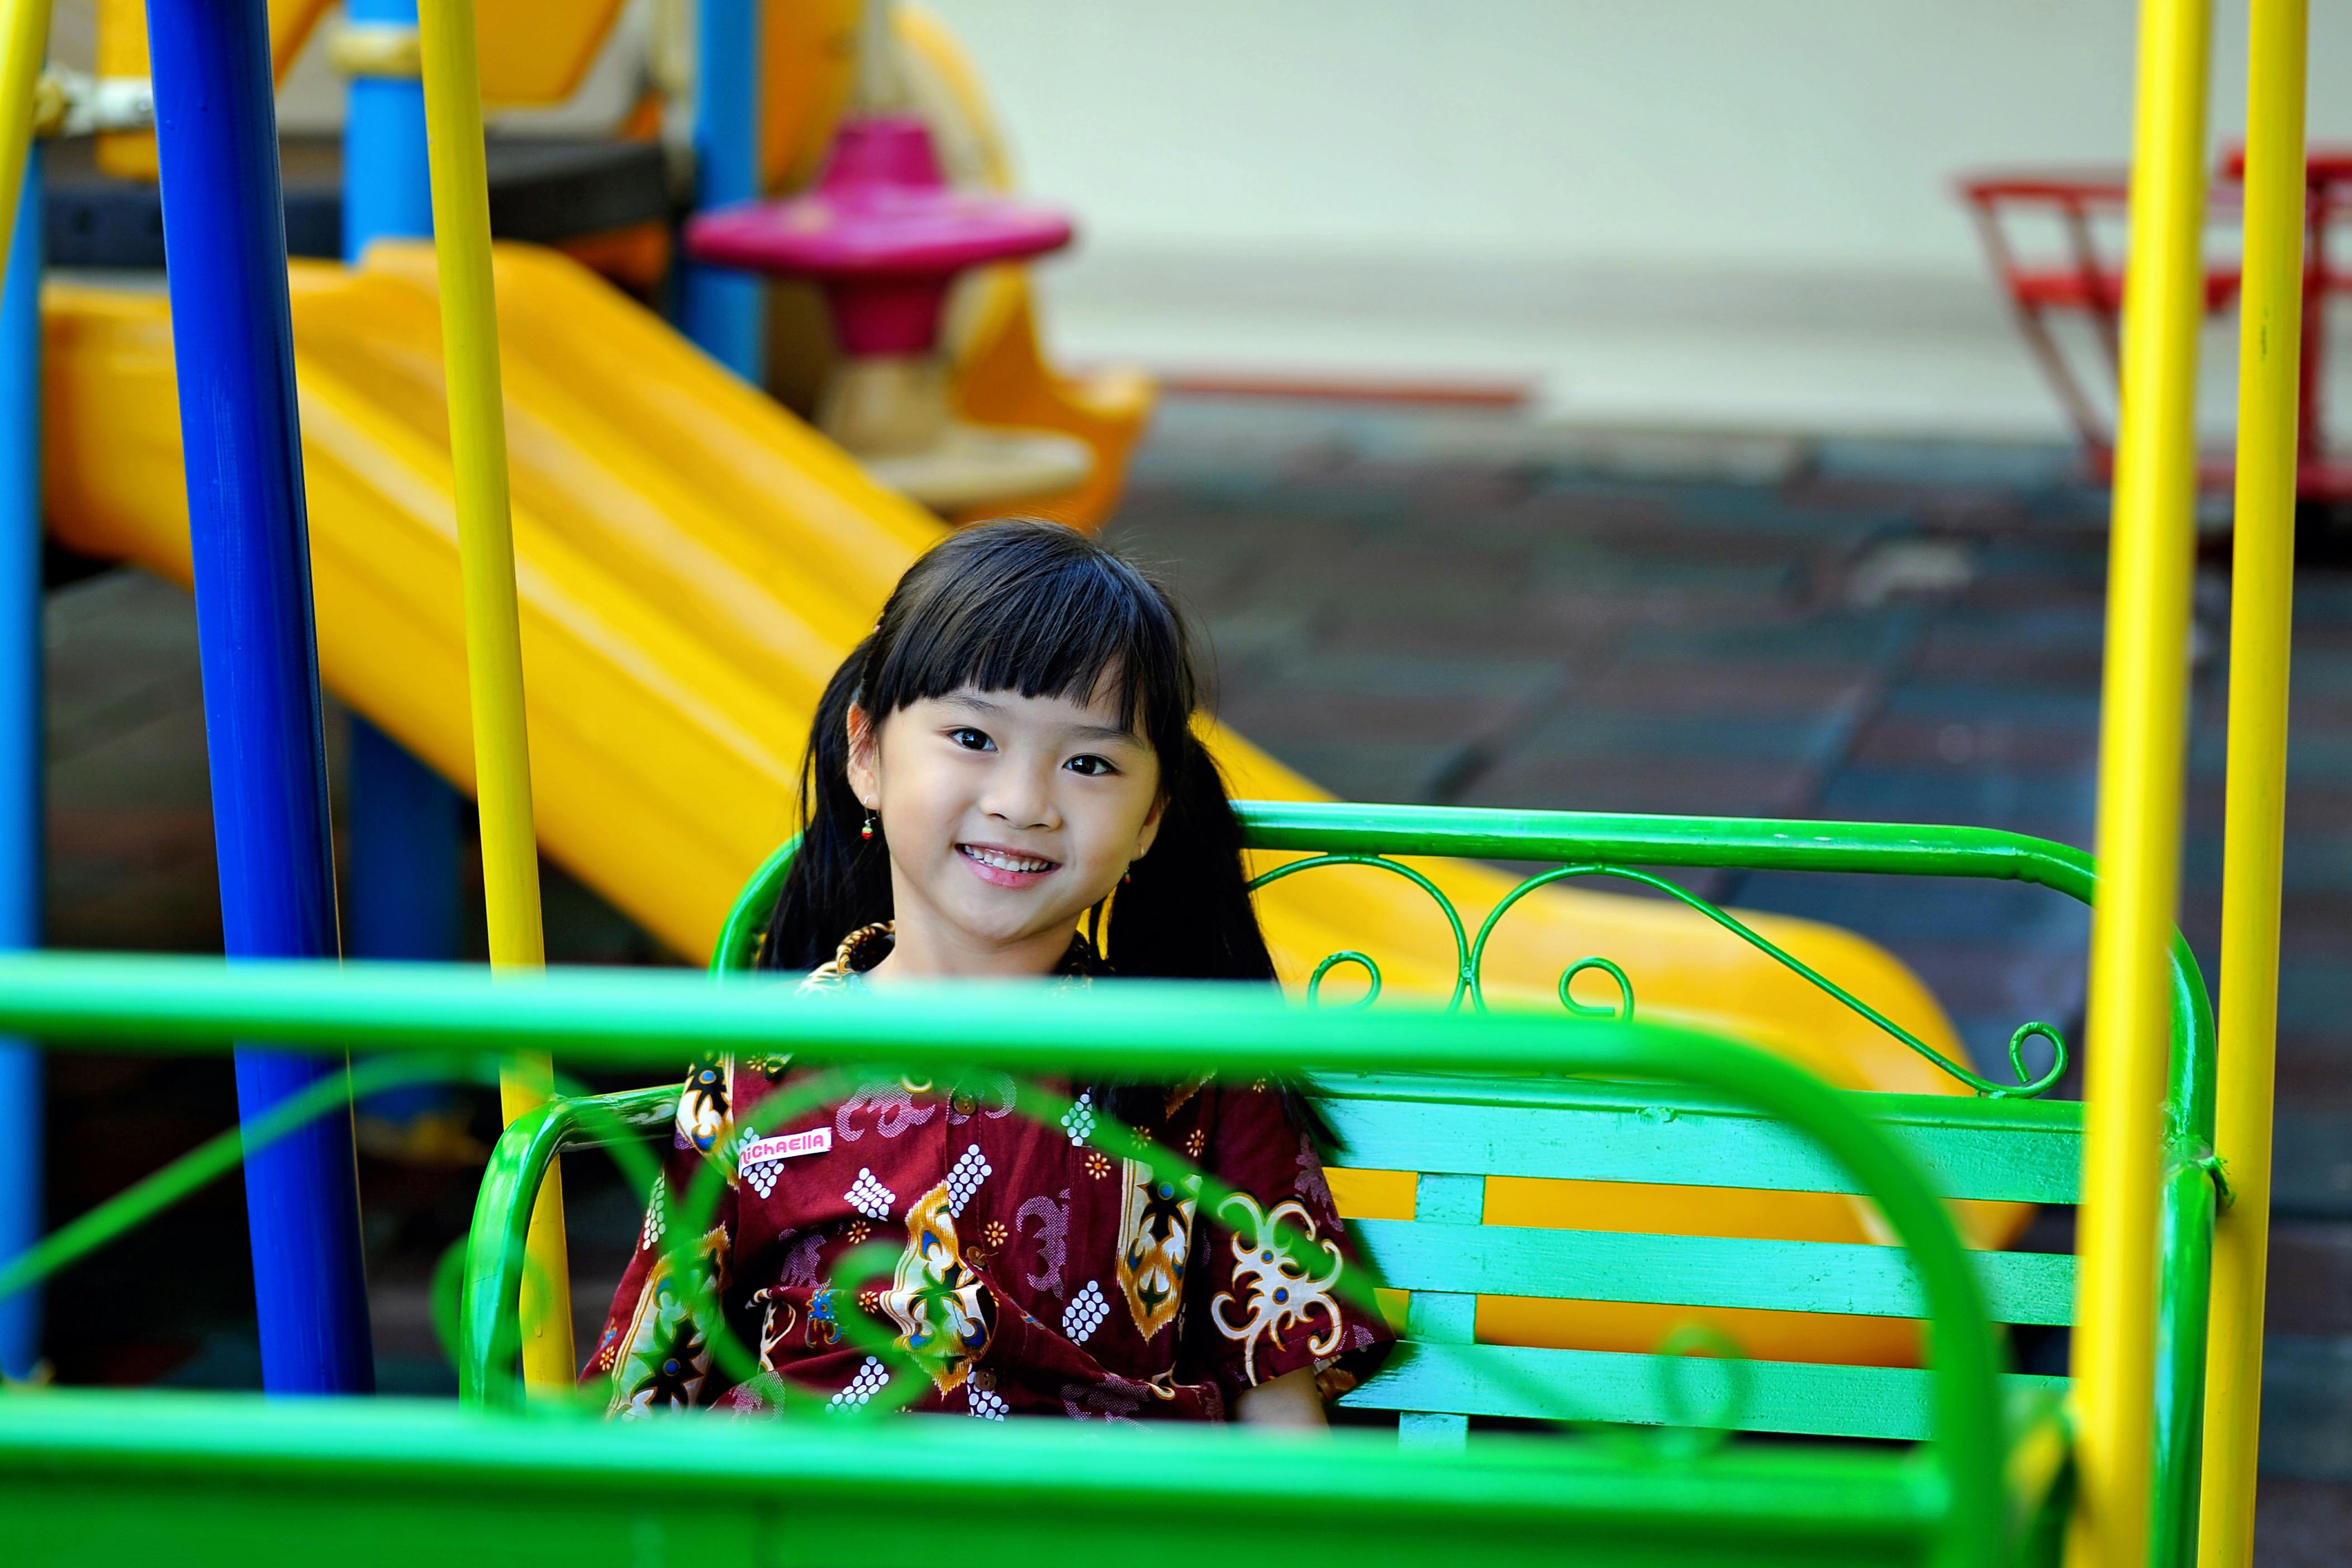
[[214, 1476]]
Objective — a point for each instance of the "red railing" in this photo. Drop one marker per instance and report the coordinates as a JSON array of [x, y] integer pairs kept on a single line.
[[2076, 272]]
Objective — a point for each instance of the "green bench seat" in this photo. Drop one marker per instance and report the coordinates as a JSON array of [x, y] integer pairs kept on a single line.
[[1456, 1131]]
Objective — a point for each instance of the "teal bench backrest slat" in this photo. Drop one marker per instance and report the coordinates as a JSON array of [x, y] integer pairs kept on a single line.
[[1696, 1270], [1461, 1131], [1606, 1386], [2007, 1151]]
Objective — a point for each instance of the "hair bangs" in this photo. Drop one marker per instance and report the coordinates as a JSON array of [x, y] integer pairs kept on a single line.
[[1024, 605], [1042, 612]]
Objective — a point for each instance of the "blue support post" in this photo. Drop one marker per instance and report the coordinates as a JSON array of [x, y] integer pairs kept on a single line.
[[21, 752], [726, 312], [225, 252], [403, 819]]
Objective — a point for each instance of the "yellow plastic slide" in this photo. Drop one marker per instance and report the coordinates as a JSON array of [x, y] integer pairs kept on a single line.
[[693, 564]]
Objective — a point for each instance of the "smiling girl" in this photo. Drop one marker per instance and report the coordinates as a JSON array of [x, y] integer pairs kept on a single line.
[[1009, 754]]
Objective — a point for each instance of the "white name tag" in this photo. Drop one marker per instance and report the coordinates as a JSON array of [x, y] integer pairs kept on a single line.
[[784, 1146]]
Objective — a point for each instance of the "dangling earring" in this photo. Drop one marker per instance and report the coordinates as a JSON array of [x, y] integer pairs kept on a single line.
[[866, 829], [1129, 875]]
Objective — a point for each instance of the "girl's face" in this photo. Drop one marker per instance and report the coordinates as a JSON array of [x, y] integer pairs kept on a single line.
[[1007, 818]]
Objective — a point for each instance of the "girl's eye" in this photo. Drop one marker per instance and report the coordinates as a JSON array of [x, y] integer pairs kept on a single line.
[[1092, 767], [972, 740]]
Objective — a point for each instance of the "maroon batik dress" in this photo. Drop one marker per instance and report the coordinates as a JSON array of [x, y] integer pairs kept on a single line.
[[1035, 1272]]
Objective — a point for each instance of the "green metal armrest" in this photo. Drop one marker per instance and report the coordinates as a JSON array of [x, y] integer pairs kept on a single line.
[[490, 1330]]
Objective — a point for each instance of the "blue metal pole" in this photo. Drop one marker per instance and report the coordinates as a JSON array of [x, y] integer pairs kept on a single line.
[[21, 1105], [402, 899], [726, 312], [225, 252]]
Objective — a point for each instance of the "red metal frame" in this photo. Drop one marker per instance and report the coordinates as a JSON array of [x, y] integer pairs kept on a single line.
[[2088, 282]]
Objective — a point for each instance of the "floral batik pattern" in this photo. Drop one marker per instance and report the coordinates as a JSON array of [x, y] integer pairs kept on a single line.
[[1274, 1292], [663, 1355], [703, 1122], [944, 1312], [1155, 1238], [940, 1246]]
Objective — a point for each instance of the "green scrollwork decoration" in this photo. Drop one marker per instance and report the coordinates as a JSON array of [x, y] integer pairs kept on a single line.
[[2024, 1089], [1463, 981], [1345, 955], [1470, 955], [1622, 1012], [2036, 1030]]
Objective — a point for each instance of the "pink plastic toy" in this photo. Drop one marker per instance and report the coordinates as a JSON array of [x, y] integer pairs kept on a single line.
[[887, 238], [882, 232]]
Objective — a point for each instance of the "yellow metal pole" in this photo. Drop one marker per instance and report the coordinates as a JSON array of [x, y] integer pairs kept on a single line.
[[2142, 725], [2270, 340], [477, 449], [22, 52]]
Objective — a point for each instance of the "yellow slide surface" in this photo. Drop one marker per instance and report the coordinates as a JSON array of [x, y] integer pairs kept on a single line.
[[694, 562]]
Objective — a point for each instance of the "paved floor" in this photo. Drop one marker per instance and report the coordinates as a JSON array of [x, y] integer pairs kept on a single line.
[[1438, 608]]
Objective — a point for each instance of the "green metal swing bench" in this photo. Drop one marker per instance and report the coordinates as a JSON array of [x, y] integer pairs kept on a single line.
[[1992, 1472], [1960, 1463]]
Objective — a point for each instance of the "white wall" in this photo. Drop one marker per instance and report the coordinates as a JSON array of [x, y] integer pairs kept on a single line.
[[1728, 213], [1790, 133], [1723, 213]]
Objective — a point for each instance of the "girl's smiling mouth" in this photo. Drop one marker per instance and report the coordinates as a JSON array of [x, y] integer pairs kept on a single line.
[[1005, 867]]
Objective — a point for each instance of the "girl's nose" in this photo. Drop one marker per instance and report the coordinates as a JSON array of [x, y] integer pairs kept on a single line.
[[1021, 797]]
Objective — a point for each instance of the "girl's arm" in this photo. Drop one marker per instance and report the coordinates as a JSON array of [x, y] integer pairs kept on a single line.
[[1276, 1299], [1290, 1400]]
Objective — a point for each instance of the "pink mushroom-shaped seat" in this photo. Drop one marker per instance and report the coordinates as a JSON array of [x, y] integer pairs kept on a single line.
[[886, 236], [883, 232]]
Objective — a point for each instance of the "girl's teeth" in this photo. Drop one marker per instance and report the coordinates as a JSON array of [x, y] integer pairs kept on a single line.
[[1006, 862]]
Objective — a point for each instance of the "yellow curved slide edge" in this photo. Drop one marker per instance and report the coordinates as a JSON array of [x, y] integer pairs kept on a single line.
[[694, 562], [808, 63]]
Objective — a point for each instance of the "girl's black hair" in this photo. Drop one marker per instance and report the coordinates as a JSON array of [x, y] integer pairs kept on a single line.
[[1041, 609]]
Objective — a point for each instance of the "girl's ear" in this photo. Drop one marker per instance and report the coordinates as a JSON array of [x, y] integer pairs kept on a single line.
[[865, 769], [1150, 830]]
